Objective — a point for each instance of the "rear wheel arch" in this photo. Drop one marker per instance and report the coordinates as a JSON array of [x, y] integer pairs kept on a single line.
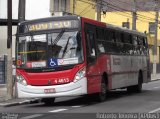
[[137, 88]]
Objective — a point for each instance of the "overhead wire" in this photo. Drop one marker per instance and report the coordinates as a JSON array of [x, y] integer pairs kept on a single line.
[[131, 5], [122, 9], [126, 14], [84, 9], [139, 17], [86, 12], [93, 4]]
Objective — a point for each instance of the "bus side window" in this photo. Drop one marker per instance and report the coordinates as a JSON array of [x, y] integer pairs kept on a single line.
[[140, 45], [135, 44], [126, 43], [90, 47], [100, 41], [141, 48], [107, 42], [112, 41], [145, 46], [122, 42], [131, 48], [119, 44]]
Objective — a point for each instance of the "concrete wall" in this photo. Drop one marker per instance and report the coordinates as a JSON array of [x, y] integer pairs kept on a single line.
[[83, 9]]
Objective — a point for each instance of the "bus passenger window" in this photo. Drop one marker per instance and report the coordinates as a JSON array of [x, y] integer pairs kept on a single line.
[[101, 47], [126, 43], [90, 44], [118, 43], [113, 37], [145, 46], [122, 50], [131, 47], [140, 39], [135, 44], [90, 47]]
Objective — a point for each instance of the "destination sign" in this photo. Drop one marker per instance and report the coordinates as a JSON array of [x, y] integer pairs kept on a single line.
[[53, 25]]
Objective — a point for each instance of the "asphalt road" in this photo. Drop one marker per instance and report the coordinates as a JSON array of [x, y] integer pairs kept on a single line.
[[118, 102]]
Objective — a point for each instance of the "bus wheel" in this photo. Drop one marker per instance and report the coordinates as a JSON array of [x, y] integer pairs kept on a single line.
[[137, 88], [48, 101], [101, 96]]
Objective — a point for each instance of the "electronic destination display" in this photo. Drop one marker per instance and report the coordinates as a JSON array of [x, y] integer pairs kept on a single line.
[[49, 25]]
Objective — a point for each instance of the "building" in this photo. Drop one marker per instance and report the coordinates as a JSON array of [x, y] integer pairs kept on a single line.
[[119, 13], [31, 13], [3, 26], [116, 12]]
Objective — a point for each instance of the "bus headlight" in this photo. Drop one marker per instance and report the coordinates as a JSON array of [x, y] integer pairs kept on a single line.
[[21, 80], [80, 74]]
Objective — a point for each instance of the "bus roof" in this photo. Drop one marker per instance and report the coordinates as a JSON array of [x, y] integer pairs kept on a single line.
[[75, 17], [110, 26], [125, 30], [67, 17]]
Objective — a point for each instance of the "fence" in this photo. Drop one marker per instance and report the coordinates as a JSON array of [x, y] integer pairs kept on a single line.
[[3, 69]]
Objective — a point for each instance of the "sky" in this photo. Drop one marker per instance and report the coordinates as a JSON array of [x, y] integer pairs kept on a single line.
[[34, 9], [37, 9]]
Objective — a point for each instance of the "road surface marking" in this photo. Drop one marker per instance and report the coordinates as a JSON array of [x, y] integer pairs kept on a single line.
[[32, 116], [156, 110], [58, 110], [77, 106], [25, 101], [156, 87]]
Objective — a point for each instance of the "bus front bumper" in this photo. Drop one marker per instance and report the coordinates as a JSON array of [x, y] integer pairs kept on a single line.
[[70, 89]]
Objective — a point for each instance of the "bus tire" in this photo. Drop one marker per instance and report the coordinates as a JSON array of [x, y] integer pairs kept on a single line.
[[101, 96], [137, 88], [48, 101]]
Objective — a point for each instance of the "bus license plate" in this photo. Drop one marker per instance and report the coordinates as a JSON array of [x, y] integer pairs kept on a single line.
[[51, 90]]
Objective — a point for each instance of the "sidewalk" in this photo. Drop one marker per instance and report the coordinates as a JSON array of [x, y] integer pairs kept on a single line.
[[3, 93], [16, 101], [156, 77]]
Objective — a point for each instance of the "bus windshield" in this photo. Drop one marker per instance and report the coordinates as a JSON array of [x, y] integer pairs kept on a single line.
[[49, 50]]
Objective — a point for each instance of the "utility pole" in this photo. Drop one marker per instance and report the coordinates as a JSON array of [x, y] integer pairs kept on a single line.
[[155, 39], [21, 10], [99, 8], [134, 15], [9, 51], [74, 6]]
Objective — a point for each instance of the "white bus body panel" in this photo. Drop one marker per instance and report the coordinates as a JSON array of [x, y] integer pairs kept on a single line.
[[125, 70], [71, 89]]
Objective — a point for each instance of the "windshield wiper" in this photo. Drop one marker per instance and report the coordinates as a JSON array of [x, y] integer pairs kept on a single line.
[[58, 37], [65, 48]]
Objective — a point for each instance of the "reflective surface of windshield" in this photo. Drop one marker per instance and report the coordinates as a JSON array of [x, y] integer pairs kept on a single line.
[[49, 50]]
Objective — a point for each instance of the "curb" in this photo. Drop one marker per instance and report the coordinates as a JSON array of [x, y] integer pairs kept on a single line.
[[2, 85], [33, 101], [152, 80]]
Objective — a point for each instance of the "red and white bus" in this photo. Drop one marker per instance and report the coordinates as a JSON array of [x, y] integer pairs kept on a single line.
[[72, 55]]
